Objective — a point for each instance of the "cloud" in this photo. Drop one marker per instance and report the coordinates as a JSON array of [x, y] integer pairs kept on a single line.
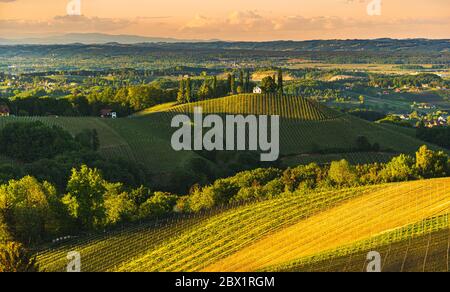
[[64, 24], [238, 21], [236, 25], [254, 25], [7, 1], [253, 22], [90, 23], [299, 23]]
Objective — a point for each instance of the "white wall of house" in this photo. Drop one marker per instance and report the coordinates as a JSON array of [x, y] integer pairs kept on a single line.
[[257, 90]]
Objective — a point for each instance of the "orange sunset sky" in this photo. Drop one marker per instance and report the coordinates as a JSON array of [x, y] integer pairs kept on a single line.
[[229, 19]]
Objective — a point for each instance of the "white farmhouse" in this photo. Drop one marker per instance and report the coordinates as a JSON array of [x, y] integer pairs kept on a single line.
[[257, 90]]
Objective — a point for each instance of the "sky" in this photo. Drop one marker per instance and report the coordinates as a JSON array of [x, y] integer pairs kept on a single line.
[[250, 20]]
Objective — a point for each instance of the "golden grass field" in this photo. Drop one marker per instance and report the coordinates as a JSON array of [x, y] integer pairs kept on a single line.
[[291, 232], [361, 218], [272, 234]]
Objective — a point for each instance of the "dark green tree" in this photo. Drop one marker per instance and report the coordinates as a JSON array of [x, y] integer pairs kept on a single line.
[[84, 200], [241, 78], [95, 140], [431, 164], [26, 210], [268, 85], [363, 144], [181, 96], [88, 139], [188, 93], [205, 91], [280, 82], [29, 142], [233, 84], [247, 82], [214, 87]]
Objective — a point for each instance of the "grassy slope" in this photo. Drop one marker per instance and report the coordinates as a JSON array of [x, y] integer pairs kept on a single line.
[[101, 252], [209, 237], [157, 108], [145, 142], [305, 127], [361, 218], [108, 137], [422, 246], [428, 253], [407, 131], [266, 234]]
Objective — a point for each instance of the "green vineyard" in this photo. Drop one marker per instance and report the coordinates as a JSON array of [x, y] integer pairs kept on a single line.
[[292, 232], [288, 107], [199, 224], [420, 247], [305, 127]]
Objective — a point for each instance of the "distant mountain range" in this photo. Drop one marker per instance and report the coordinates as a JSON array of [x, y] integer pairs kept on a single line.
[[375, 45], [88, 38]]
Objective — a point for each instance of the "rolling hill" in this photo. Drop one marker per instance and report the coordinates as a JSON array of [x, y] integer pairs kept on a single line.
[[290, 232], [308, 132], [307, 127], [151, 43], [420, 247], [360, 218]]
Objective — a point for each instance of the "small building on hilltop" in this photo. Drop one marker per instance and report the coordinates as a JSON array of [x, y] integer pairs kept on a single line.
[[4, 111]]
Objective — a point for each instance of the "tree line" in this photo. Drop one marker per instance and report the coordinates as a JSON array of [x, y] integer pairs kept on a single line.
[[235, 83], [80, 102], [212, 87], [49, 153], [32, 210], [419, 80]]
